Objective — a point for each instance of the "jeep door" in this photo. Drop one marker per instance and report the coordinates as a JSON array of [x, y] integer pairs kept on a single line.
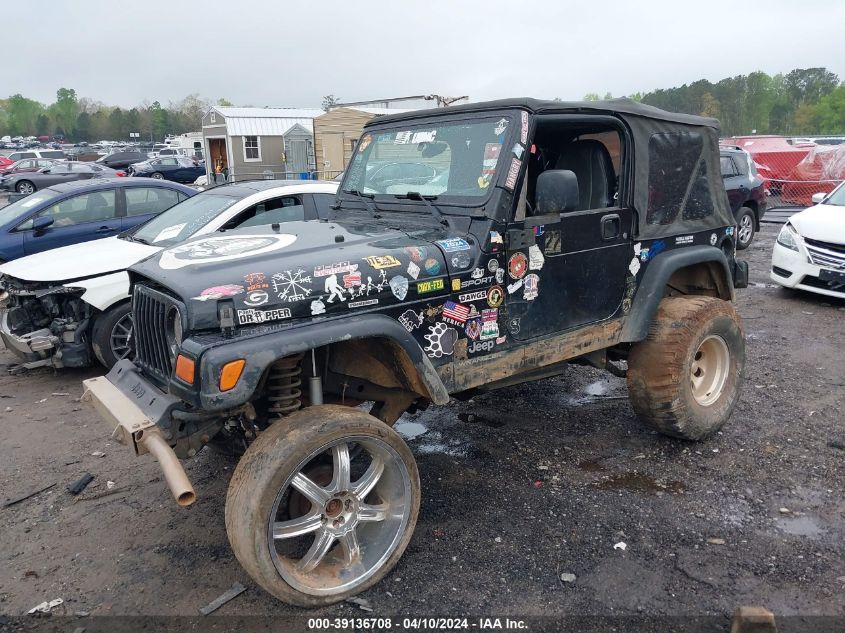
[[568, 269]]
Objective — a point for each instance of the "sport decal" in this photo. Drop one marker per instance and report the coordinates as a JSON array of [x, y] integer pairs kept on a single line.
[[441, 340], [517, 265], [221, 249]]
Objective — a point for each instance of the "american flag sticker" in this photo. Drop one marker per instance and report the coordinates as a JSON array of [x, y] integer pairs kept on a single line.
[[456, 313]]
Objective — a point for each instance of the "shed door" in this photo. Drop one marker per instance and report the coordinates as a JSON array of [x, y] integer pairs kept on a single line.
[[298, 159]]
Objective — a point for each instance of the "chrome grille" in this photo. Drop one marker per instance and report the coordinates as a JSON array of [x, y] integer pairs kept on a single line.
[[826, 254], [149, 310]]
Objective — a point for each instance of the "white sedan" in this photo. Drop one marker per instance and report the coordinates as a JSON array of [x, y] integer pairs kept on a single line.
[[809, 253], [63, 307]]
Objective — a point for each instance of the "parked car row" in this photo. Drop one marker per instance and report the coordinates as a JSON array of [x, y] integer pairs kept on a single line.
[[28, 180]]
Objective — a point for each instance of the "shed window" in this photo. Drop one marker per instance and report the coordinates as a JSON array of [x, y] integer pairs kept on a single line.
[[677, 178], [252, 148]]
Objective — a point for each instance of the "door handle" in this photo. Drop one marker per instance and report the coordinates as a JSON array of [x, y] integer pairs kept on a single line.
[[105, 229], [611, 227]]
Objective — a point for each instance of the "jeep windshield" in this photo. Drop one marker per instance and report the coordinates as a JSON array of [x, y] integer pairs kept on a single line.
[[455, 160]]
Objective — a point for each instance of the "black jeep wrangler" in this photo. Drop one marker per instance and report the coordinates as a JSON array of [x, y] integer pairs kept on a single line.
[[469, 248]]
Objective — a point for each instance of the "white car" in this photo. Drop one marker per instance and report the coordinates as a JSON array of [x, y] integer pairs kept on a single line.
[[809, 253], [62, 308]]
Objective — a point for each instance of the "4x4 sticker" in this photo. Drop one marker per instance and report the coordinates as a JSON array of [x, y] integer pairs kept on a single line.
[[441, 340], [291, 286], [220, 249], [495, 296], [382, 261], [262, 316], [454, 244], [430, 285], [517, 265]]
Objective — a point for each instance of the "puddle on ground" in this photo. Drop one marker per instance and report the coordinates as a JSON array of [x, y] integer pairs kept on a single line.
[[636, 482], [410, 430], [598, 388], [757, 284], [427, 442], [598, 391], [799, 526]]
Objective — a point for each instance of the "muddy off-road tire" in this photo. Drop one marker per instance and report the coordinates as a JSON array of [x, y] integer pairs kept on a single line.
[[314, 531], [685, 378]]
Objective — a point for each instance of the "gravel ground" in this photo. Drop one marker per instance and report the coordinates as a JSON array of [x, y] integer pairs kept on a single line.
[[519, 487]]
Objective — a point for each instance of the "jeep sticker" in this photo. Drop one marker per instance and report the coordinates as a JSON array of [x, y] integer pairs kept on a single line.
[[382, 261], [262, 316], [431, 285], [223, 248]]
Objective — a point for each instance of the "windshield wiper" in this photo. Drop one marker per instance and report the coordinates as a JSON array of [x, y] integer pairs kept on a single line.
[[416, 195], [366, 198]]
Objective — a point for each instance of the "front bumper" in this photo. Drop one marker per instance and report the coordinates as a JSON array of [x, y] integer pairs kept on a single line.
[[792, 269], [44, 348]]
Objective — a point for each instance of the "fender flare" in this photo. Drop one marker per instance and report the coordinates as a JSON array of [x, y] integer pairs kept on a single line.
[[653, 285], [262, 351]]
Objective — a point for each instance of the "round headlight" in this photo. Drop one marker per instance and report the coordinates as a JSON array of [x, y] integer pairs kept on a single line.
[[173, 330]]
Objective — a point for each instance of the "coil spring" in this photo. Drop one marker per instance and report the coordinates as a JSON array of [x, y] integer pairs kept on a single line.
[[283, 386]]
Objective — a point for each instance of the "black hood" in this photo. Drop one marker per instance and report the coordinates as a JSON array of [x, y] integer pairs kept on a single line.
[[307, 269]]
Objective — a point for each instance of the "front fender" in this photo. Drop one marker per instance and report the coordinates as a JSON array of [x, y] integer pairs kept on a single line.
[[262, 351], [653, 285], [104, 291]]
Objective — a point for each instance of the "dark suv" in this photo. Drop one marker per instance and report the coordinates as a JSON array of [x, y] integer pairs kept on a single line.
[[516, 237], [746, 193]]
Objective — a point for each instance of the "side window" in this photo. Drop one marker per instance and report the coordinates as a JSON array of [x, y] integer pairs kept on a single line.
[[323, 202], [89, 207], [677, 178], [26, 164], [741, 164], [168, 161], [727, 166], [275, 210], [142, 200]]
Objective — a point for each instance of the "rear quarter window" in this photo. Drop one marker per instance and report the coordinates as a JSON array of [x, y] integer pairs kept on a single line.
[[677, 178]]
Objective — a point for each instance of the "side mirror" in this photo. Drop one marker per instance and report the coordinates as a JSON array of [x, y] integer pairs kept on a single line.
[[557, 191], [40, 224], [818, 197]]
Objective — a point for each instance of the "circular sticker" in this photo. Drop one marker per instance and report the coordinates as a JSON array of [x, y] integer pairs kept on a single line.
[[495, 296], [432, 266], [493, 265], [517, 265]]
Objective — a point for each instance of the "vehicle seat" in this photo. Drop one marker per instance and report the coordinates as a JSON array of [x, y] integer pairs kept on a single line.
[[96, 209], [593, 167]]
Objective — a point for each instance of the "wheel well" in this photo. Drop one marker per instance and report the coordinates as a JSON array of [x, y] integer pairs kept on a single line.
[[752, 204], [704, 278]]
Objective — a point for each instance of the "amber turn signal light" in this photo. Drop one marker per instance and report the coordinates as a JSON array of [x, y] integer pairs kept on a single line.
[[231, 373], [185, 369]]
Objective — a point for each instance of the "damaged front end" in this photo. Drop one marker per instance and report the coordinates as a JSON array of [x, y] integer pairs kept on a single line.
[[44, 324]]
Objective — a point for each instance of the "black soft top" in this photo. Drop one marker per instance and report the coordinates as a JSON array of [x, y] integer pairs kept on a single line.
[[677, 179]]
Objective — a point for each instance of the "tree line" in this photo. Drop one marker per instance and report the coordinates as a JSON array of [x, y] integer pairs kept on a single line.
[[82, 119], [805, 101]]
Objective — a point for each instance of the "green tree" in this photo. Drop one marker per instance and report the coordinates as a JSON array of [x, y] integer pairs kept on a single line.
[[83, 127], [329, 101], [829, 115], [65, 110], [117, 124], [592, 96], [809, 85], [22, 115], [224, 103]]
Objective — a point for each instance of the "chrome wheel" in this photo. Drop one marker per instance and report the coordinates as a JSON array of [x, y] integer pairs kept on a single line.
[[25, 187], [158, 176], [709, 370], [121, 339], [339, 517], [746, 229]]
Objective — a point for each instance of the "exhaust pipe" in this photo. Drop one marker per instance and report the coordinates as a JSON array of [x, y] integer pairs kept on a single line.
[[175, 475]]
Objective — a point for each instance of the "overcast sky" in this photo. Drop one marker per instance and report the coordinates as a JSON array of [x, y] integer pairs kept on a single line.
[[292, 53]]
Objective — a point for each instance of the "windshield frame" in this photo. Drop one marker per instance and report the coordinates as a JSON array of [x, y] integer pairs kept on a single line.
[[438, 118], [838, 194], [28, 205]]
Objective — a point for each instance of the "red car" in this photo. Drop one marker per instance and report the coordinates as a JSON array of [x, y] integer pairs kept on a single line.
[[27, 164], [5, 162]]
